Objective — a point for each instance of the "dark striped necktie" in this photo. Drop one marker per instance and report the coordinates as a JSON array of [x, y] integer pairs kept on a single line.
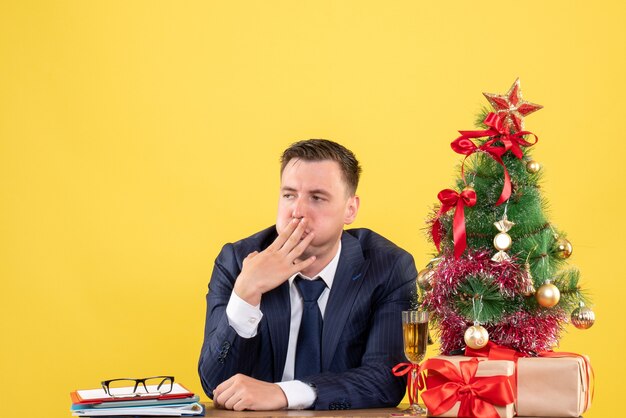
[[309, 346]]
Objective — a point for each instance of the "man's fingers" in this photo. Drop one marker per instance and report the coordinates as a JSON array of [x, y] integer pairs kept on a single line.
[[222, 386], [230, 403], [295, 238], [251, 255], [227, 398], [283, 236], [218, 392], [239, 406], [301, 246], [247, 393], [301, 265], [296, 252]]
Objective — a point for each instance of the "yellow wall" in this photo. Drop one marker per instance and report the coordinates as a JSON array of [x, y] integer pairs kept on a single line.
[[138, 137]]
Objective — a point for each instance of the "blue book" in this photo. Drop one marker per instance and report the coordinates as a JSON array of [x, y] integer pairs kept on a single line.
[[157, 408]]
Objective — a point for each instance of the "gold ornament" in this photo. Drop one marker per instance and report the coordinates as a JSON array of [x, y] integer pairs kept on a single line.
[[476, 336], [529, 288], [533, 166], [469, 189], [424, 279], [563, 248], [548, 295], [583, 317], [502, 241]]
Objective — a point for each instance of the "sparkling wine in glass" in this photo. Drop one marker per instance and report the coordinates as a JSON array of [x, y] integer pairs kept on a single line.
[[415, 331]]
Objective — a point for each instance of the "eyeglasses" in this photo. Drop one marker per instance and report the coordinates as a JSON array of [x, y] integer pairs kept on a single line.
[[129, 387]]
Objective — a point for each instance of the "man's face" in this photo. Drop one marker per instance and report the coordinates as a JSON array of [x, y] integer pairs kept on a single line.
[[317, 192]]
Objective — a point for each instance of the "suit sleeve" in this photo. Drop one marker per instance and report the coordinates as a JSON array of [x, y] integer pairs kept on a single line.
[[372, 384], [224, 353]]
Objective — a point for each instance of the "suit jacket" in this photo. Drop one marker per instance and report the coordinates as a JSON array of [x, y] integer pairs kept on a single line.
[[362, 333]]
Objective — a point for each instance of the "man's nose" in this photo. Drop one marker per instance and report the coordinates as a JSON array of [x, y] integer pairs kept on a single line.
[[299, 209]]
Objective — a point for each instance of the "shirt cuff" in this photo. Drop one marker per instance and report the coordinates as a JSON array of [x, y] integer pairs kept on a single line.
[[299, 395], [243, 317]]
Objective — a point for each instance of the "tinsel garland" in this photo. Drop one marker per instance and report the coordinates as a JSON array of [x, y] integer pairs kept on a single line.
[[530, 330]]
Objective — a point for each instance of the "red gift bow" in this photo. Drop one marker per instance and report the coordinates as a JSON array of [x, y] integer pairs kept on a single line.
[[414, 378], [510, 142], [477, 395], [498, 352], [450, 198]]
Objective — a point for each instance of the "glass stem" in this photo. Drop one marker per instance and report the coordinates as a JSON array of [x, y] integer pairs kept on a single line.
[[414, 390]]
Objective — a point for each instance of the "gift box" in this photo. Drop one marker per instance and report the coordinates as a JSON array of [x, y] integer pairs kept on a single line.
[[463, 386], [553, 386]]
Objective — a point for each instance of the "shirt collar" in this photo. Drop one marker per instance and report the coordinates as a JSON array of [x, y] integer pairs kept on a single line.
[[327, 274]]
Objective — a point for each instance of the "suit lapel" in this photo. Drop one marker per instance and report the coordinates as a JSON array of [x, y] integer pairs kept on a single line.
[[347, 282], [276, 307]]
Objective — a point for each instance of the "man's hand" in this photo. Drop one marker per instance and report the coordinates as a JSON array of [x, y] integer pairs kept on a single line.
[[242, 392], [268, 269]]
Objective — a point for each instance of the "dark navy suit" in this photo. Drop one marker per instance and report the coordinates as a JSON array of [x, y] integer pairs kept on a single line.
[[362, 334]]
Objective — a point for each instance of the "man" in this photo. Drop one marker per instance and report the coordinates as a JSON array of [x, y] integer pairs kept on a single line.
[[268, 343]]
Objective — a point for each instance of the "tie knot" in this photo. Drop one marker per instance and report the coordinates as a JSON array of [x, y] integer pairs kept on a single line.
[[310, 290]]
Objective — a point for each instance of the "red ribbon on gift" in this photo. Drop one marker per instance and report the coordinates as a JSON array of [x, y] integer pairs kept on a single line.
[[447, 385], [450, 198], [498, 131], [494, 351], [414, 380]]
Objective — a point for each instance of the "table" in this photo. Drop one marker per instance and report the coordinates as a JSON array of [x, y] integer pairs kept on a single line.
[[369, 413]]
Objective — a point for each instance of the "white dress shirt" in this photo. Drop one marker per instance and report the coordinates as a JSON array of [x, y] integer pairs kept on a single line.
[[245, 318]]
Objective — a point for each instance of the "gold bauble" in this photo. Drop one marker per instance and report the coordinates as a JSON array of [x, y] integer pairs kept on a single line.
[[476, 337], [424, 279], [533, 166], [563, 248], [469, 189], [548, 295], [502, 241], [583, 317]]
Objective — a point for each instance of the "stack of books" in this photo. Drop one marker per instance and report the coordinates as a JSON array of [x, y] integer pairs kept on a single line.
[[97, 403]]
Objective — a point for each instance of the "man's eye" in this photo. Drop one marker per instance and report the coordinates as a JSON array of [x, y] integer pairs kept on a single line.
[[287, 195], [318, 198]]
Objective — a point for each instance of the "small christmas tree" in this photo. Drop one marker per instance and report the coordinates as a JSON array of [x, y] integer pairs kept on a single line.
[[500, 272]]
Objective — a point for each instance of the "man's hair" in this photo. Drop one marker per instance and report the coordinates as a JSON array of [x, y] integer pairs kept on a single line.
[[323, 150]]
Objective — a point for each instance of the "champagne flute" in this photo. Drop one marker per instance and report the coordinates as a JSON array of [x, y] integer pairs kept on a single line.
[[415, 331]]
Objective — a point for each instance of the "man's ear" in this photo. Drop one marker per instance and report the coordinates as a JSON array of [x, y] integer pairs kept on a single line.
[[352, 208]]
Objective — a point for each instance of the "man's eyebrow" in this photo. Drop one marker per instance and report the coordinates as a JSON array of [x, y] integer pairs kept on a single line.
[[313, 191], [319, 191]]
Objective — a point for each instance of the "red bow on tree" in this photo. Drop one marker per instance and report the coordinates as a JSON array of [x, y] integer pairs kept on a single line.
[[498, 132], [450, 198], [477, 395]]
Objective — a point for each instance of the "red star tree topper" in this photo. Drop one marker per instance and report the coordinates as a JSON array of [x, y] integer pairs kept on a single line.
[[511, 107]]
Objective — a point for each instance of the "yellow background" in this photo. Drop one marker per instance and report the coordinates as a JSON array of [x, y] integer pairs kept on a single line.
[[138, 137]]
